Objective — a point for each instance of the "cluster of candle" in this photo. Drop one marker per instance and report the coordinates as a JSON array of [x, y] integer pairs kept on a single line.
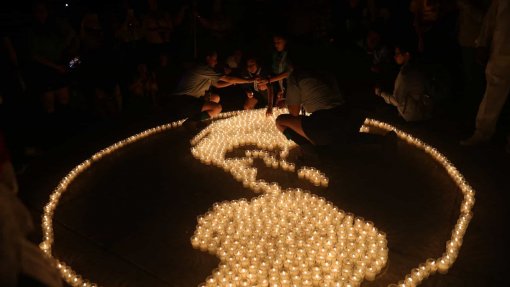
[[443, 263], [292, 238], [249, 128], [313, 175]]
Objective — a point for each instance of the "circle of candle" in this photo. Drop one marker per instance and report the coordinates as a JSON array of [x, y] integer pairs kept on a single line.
[[209, 154]]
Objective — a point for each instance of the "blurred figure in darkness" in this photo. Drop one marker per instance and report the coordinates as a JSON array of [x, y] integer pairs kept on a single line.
[[494, 39], [51, 43]]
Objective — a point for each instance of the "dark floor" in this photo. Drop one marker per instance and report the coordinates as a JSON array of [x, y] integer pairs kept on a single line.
[[127, 221]]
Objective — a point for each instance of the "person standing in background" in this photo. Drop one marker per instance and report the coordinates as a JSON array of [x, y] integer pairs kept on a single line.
[[494, 38]]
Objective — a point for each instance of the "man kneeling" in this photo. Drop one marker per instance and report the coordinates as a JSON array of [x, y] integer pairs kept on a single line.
[[329, 120]]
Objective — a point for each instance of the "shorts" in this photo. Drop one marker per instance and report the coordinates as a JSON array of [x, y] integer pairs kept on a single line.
[[325, 127], [186, 106]]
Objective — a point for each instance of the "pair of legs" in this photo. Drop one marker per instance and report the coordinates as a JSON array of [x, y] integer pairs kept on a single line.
[[496, 94], [50, 98]]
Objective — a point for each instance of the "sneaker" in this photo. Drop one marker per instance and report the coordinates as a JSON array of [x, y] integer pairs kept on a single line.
[[475, 140]]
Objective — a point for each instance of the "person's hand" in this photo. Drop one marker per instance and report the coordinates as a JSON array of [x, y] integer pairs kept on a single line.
[[261, 81], [249, 95], [377, 91], [430, 13]]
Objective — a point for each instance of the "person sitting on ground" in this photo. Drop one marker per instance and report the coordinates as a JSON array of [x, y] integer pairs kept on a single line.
[[22, 262], [256, 93], [192, 96], [330, 120], [410, 94], [378, 53]]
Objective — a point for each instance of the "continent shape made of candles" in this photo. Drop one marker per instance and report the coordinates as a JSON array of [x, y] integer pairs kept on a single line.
[[281, 238]]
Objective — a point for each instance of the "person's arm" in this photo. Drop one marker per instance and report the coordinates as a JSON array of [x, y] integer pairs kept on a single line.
[[279, 77], [389, 98], [43, 61], [222, 84], [225, 81]]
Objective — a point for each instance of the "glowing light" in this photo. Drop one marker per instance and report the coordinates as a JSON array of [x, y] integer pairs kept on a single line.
[[291, 238], [443, 263], [250, 128]]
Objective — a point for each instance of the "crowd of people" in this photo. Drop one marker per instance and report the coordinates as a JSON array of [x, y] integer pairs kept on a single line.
[[70, 64]]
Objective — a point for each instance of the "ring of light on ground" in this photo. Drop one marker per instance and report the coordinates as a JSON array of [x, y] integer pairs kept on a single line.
[[282, 237]]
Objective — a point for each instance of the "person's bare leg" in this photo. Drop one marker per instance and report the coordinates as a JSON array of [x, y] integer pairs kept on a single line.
[[288, 121], [212, 108]]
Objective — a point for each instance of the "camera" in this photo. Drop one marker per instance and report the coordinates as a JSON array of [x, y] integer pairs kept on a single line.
[[74, 63]]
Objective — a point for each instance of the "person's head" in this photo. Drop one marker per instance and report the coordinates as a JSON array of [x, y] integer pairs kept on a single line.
[[374, 36], [404, 52], [373, 39], [211, 59], [401, 56], [280, 43], [251, 65], [237, 55]]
